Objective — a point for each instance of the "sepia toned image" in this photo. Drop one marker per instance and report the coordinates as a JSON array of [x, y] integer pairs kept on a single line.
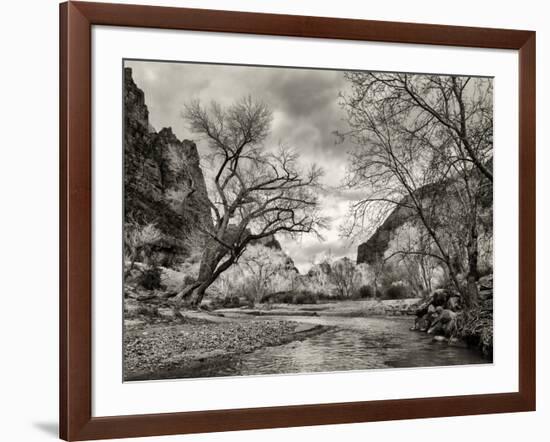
[[291, 220]]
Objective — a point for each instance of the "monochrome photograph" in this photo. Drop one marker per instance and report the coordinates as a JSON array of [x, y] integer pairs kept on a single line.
[[286, 220]]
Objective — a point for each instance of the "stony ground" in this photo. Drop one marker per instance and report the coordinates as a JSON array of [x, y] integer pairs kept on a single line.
[[155, 349], [154, 344]]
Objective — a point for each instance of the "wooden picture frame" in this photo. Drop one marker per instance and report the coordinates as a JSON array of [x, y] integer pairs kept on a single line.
[[76, 21]]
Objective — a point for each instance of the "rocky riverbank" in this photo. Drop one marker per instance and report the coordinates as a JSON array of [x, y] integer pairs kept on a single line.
[[348, 308], [443, 315], [166, 351], [159, 346]]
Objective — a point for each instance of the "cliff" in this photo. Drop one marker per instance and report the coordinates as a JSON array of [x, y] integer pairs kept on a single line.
[[402, 226], [157, 164], [373, 250]]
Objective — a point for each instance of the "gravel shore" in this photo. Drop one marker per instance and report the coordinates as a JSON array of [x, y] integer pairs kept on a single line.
[[168, 351]]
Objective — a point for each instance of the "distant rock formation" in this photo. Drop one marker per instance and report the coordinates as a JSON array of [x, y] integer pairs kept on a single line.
[[272, 243], [150, 175], [269, 241]]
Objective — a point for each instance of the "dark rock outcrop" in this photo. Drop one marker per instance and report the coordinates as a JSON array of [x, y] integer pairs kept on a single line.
[[272, 243], [155, 165], [373, 249]]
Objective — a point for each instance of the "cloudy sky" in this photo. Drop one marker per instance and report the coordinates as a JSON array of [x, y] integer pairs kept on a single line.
[[306, 113]]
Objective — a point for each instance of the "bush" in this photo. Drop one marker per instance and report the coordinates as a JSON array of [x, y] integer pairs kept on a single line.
[[225, 302], [232, 302], [397, 291], [150, 279], [365, 291], [250, 299], [278, 298], [305, 297], [301, 297], [188, 280], [475, 326], [331, 296]]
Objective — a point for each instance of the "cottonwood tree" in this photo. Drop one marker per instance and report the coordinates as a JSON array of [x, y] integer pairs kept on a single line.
[[255, 191], [319, 275], [343, 276], [425, 146]]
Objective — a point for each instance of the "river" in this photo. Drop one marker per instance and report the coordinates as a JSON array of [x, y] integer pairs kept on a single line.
[[349, 344]]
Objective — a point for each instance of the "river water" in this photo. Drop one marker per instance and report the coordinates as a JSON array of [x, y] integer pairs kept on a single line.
[[350, 344]]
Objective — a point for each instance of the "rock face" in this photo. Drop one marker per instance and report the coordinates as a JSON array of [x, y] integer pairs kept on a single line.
[[269, 241], [157, 164], [372, 251], [402, 226]]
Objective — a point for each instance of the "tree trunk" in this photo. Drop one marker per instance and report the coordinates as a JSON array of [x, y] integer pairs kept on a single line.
[[425, 277], [473, 275], [454, 277], [199, 292], [206, 277], [194, 293], [210, 269]]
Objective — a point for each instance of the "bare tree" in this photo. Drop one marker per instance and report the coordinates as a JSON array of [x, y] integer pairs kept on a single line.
[[426, 147], [343, 276], [262, 264], [255, 191], [319, 274], [412, 249]]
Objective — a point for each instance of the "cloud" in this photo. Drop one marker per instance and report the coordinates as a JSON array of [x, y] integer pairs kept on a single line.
[[300, 91]]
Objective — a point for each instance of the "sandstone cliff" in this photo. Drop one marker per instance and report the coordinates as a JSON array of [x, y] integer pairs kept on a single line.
[[373, 250], [151, 175], [402, 224]]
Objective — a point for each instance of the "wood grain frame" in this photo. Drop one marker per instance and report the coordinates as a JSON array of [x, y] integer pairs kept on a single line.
[[76, 21]]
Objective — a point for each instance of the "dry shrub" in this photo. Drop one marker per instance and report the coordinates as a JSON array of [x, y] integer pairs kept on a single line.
[[397, 291], [365, 291], [475, 326], [150, 278]]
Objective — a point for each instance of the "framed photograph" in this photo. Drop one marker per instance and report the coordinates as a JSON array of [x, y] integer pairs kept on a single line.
[[273, 220]]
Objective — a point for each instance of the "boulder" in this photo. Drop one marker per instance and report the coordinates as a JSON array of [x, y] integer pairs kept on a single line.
[[422, 308], [441, 296], [439, 338], [454, 303], [444, 324]]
